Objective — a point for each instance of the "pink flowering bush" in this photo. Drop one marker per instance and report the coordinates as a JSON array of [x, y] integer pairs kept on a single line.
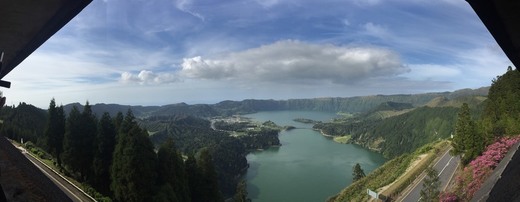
[[448, 197], [478, 170]]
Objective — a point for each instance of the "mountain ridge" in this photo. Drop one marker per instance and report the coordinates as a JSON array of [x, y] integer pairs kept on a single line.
[[354, 104]]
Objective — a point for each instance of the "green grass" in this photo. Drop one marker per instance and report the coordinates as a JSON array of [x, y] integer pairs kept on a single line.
[[342, 139], [391, 172]]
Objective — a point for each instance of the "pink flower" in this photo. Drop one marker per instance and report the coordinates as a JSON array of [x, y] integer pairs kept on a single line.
[[481, 167], [448, 197]]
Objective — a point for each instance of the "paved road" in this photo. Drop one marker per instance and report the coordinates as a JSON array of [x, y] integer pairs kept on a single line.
[[72, 192], [446, 167]]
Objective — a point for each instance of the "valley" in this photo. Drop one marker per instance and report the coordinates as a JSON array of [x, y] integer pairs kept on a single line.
[[245, 138]]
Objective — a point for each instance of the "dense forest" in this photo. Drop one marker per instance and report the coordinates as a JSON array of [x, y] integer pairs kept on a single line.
[[499, 117], [24, 121], [191, 135], [115, 155]]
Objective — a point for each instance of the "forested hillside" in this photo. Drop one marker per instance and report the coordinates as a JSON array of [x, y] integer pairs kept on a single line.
[[403, 132], [192, 135], [114, 156], [226, 108], [502, 112], [23, 121]]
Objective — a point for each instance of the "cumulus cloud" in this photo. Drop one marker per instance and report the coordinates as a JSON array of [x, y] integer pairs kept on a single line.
[[298, 62], [148, 77]]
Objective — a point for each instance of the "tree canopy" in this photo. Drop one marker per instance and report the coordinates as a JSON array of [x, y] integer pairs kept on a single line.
[[357, 173], [430, 190]]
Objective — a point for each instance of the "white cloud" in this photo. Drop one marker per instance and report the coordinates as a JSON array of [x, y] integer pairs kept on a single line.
[[184, 6], [298, 62], [148, 77]]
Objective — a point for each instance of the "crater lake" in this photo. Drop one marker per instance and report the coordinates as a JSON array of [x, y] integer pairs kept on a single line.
[[308, 166]]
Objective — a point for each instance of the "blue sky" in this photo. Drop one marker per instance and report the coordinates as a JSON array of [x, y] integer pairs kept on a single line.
[[158, 52]]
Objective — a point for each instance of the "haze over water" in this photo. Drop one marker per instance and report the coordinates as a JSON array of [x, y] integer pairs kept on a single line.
[[308, 166]]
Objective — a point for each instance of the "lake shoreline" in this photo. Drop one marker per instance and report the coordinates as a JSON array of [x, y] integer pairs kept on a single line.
[[323, 133], [274, 172]]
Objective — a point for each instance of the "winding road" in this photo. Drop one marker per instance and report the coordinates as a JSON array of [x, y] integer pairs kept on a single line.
[[445, 166]]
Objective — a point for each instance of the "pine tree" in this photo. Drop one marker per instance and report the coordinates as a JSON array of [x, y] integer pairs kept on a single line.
[[88, 136], [72, 141], [172, 173], [49, 132], [105, 142], [357, 173], [118, 120], [430, 191], [209, 177], [79, 141], [60, 133], [202, 178], [134, 164], [55, 130], [194, 179], [467, 140]]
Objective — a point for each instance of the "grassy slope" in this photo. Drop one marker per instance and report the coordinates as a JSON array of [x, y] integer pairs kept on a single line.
[[396, 173]]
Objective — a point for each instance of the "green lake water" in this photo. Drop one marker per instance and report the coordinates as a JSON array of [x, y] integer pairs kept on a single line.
[[308, 166]]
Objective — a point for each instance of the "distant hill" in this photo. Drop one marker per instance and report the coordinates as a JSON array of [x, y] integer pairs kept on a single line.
[[390, 126], [359, 104], [113, 109], [456, 102], [23, 121]]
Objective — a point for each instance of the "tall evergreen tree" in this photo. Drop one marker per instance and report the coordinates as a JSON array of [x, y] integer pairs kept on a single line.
[[430, 190], [105, 142], [48, 134], [88, 136], [194, 179], [72, 141], [60, 133], [79, 141], [55, 130], [118, 120], [134, 164], [209, 177], [172, 173], [467, 140], [357, 173]]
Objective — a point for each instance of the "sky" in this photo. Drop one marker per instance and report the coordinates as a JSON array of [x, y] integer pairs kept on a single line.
[[157, 52]]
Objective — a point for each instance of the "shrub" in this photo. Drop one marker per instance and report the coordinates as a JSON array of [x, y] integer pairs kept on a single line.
[[474, 175], [448, 197]]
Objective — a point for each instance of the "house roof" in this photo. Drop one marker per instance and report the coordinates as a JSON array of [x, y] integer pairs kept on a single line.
[[502, 18], [27, 24]]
